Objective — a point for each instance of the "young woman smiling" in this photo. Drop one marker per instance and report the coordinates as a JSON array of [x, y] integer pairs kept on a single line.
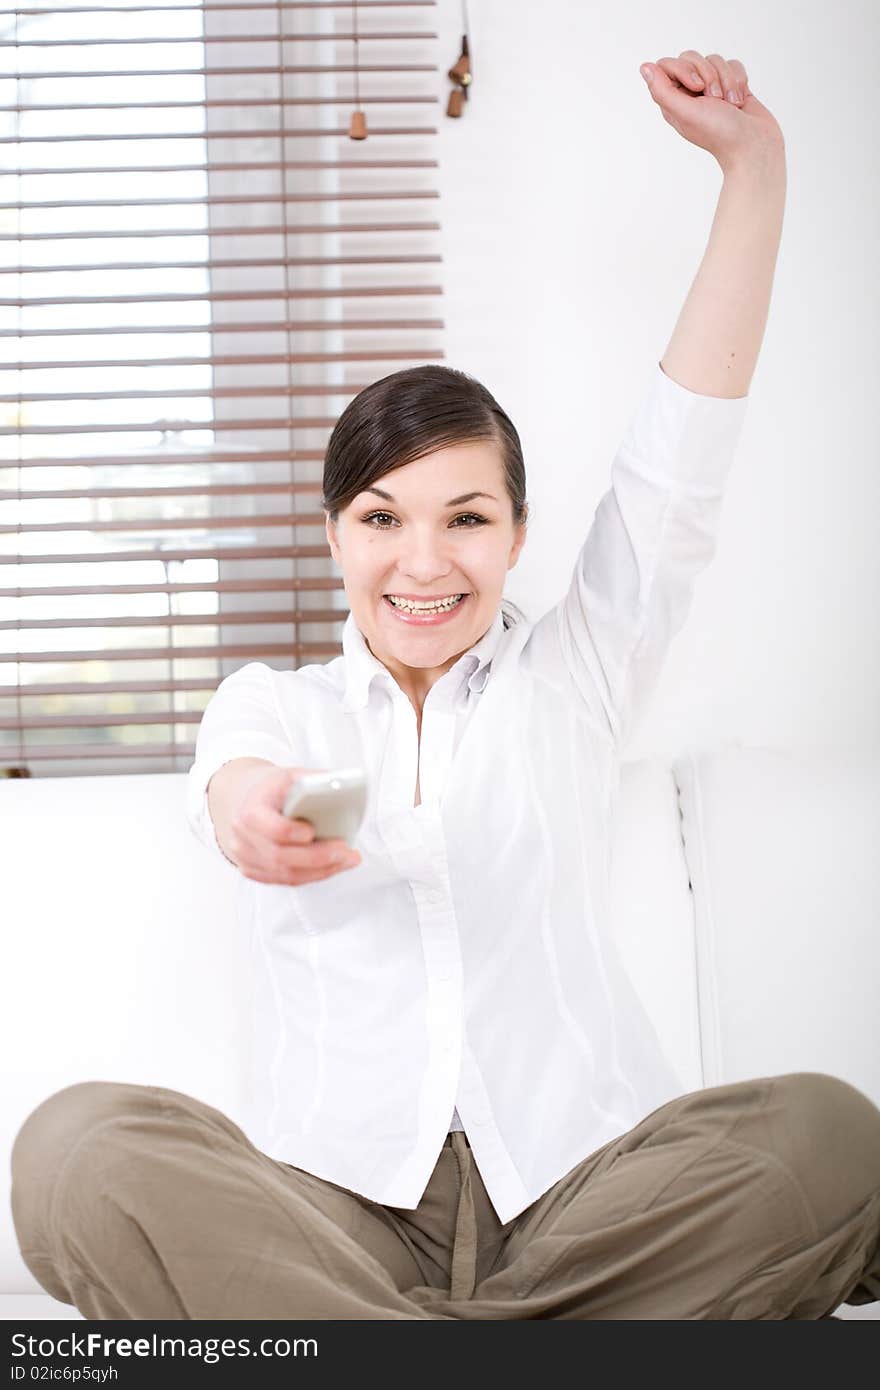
[[459, 1109]]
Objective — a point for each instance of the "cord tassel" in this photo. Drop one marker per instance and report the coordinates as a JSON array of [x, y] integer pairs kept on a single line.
[[460, 72], [357, 129]]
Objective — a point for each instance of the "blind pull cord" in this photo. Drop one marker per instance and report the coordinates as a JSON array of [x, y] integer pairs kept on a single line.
[[460, 72]]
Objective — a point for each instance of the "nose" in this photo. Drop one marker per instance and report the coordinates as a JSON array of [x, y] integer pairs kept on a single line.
[[422, 560]]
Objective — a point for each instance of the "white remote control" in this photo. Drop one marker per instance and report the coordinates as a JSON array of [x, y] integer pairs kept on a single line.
[[334, 802]]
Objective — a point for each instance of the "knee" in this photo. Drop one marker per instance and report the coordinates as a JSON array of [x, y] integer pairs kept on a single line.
[[53, 1128], [49, 1136], [829, 1132], [829, 1107]]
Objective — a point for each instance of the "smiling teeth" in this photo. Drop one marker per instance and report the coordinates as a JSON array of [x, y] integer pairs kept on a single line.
[[439, 605]]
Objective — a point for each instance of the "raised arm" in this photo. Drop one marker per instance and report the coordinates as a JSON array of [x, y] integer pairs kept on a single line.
[[655, 529], [714, 347]]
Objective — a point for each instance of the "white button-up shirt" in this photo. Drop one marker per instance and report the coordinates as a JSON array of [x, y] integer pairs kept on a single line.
[[465, 967]]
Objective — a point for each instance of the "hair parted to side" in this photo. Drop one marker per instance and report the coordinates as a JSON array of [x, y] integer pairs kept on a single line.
[[411, 413]]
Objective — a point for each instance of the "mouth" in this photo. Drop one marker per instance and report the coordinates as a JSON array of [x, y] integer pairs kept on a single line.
[[426, 617]]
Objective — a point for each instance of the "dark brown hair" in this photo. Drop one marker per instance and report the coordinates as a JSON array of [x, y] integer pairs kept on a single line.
[[408, 414]]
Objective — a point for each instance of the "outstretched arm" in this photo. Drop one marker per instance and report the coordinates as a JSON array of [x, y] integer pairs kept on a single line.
[[715, 344]]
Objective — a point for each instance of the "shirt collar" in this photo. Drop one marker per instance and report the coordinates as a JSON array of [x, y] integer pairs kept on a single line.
[[362, 667]]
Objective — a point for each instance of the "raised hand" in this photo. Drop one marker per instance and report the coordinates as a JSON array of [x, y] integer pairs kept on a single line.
[[692, 93]]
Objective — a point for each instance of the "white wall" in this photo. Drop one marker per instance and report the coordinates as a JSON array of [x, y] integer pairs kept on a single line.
[[574, 222]]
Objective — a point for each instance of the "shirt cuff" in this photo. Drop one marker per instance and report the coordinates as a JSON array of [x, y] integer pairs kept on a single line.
[[197, 812], [683, 439]]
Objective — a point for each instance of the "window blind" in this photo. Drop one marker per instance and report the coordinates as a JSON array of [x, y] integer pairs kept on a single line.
[[198, 270]]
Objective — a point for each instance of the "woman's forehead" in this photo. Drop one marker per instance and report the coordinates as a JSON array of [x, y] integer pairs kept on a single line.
[[476, 464]]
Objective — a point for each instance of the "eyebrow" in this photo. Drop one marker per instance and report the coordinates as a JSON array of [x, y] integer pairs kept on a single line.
[[453, 502]]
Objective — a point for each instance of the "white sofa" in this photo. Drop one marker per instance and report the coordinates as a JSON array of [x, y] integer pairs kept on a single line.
[[745, 891]]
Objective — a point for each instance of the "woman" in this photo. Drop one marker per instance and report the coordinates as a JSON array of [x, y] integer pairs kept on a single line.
[[459, 1108]]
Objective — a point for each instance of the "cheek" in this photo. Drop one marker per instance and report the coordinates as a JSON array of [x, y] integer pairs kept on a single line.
[[363, 556], [490, 561]]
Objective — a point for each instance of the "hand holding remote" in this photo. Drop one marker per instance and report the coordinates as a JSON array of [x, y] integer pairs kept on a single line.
[[268, 846]]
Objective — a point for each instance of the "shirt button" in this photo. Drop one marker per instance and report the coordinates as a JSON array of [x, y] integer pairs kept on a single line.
[[435, 895]]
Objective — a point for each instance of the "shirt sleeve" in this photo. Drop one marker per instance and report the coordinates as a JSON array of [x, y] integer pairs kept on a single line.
[[241, 720], [653, 532]]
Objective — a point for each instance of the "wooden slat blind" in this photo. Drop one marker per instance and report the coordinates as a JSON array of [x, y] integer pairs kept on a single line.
[[198, 270]]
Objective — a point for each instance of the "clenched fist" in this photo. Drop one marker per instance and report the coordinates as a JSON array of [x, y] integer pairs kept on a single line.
[[708, 101]]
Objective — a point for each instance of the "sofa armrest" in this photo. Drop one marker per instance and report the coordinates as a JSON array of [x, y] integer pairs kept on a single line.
[[782, 856], [651, 910]]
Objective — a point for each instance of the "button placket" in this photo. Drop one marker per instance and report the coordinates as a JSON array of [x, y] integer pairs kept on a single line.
[[437, 739]]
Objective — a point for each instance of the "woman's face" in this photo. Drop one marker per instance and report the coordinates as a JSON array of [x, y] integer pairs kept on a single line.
[[419, 533]]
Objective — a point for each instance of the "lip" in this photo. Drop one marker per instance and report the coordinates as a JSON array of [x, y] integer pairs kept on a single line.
[[421, 620]]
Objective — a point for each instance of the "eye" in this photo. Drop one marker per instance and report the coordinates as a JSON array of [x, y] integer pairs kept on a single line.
[[472, 518]]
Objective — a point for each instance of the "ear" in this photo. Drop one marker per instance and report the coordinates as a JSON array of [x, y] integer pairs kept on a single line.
[[330, 532], [519, 542]]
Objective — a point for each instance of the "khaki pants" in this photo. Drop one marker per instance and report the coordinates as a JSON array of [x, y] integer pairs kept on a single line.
[[759, 1199]]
